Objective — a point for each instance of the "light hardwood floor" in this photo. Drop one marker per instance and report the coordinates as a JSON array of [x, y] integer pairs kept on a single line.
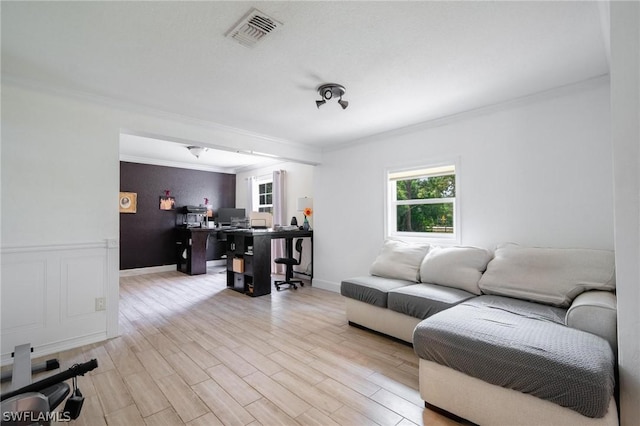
[[192, 352]]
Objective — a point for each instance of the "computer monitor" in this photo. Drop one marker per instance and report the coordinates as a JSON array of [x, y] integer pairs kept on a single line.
[[225, 214]]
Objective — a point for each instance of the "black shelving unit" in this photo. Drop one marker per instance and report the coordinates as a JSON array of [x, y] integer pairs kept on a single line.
[[251, 250]]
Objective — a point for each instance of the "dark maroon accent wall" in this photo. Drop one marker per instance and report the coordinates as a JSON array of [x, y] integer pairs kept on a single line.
[[147, 238]]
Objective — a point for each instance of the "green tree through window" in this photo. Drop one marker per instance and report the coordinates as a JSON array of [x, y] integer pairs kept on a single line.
[[426, 217], [423, 200]]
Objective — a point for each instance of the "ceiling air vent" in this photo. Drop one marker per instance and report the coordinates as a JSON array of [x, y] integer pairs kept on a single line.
[[253, 27]]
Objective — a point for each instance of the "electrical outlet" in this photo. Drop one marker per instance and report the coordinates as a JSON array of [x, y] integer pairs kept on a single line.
[[101, 303]]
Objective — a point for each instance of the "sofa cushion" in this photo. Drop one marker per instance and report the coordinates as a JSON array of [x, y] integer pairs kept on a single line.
[[370, 289], [399, 260], [547, 275], [528, 349], [423, 300], [458, 267]]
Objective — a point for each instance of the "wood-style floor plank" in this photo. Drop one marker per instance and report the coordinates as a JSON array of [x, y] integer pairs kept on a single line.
[[311, 394], [239, 389], [186, 368], [182, 398], [366, 406], [268, 413], [194, 353], [167, 417], [227, 409], [284, 399], [208, 419], [127, 416], [111, 390], [146, 393], [155, 364], [314, 417]]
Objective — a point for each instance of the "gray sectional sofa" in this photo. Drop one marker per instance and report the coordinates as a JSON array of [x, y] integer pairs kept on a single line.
[[517, 336]]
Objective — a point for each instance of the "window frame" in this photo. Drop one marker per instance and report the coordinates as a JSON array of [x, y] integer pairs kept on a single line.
[[391, 203], [256, 201]]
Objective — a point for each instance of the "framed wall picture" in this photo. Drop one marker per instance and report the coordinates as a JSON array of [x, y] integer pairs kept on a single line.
[[167, 203], [128, 202]]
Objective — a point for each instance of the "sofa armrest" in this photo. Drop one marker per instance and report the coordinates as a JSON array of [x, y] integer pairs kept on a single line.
[[595, 312]]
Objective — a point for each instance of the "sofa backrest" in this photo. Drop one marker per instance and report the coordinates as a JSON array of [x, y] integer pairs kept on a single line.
[[548, 275], [399, 260], [458, 267]]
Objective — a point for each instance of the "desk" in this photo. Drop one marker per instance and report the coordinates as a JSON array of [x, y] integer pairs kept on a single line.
[[252, 272], [191, 249]]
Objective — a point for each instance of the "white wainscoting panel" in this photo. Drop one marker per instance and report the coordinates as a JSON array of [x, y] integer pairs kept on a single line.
[[23, 302], [83, 279], [49, 296]]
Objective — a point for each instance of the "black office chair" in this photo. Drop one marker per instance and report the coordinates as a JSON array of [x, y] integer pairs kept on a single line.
[[290, 262]]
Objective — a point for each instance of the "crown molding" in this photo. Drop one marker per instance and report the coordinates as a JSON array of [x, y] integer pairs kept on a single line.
[[475, 112], [176, 164], [268, 164]]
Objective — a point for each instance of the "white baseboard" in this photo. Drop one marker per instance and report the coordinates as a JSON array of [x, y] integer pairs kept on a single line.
[[163, 268], [147, 270], [326, 285], [55, 347]]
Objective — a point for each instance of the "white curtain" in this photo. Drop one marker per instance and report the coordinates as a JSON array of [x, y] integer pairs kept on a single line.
[[250, 187], [279, 217]]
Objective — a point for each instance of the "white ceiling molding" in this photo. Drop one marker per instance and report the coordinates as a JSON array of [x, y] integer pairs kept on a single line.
[[177, 164], [489, 109]]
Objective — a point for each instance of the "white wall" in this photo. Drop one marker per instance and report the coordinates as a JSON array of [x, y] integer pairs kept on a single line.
[[59, 227], [60, 181], [536, 172], [299, 184], [625, 108], [58, 174]]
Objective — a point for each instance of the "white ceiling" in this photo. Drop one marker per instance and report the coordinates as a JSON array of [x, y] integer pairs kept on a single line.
[[402, 63], [142, 149]]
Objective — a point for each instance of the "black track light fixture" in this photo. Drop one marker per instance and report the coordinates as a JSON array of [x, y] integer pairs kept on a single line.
[[329, 91]]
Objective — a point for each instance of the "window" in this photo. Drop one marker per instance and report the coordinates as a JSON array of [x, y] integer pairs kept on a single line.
[[265, 197], [421, 202]]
